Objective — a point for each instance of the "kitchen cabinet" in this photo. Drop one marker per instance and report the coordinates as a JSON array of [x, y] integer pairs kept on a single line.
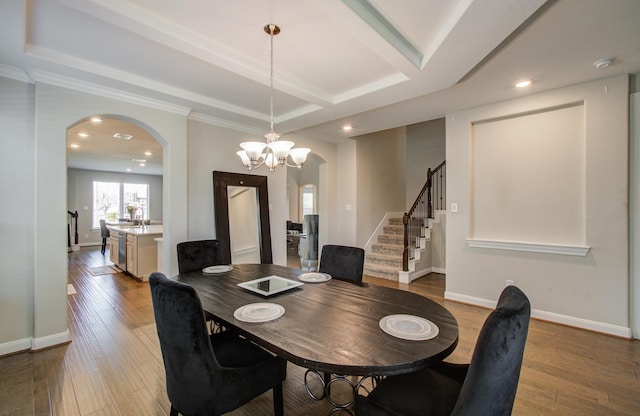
[[139, 255], [113, 247]]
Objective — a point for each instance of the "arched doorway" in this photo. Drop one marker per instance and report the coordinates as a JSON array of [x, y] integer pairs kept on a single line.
[[112, 164], [304, 193]]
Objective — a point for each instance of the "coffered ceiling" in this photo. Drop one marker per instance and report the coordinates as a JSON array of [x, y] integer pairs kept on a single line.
[[375, 64]]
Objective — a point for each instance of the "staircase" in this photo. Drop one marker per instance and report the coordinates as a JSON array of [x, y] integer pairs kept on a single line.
[[406, 238], [385, 259]]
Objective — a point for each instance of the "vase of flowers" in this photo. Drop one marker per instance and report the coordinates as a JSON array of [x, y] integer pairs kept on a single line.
[[130, 209]]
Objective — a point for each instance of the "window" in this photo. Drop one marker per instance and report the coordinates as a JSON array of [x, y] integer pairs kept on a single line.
[[113, 200], [307, 200]]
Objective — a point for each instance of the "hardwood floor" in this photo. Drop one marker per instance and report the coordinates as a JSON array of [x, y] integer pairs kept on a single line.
[[114, 366]]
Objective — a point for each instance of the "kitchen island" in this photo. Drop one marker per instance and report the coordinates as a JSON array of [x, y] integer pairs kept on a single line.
[[133, 248]]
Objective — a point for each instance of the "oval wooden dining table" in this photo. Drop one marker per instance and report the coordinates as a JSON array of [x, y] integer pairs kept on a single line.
[[330, 327]]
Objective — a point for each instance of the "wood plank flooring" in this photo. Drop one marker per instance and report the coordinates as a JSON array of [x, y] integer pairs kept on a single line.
[[113, 366]]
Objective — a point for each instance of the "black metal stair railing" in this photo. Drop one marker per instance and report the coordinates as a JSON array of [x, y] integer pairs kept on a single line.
[[431, 197]]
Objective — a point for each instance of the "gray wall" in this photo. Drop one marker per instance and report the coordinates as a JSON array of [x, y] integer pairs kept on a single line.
[[17, 211], [380, 179], [634, 216], [33, 122], [213, 148], [591, 291], [426, 144], [80, 195]]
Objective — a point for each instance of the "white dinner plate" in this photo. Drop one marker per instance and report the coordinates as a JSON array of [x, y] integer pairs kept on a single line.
[[259, 312], [217, 269], [314, 277], [409, 327]]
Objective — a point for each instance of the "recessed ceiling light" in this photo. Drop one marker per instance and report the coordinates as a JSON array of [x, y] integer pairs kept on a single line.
[[74, 145], [141, 165], [139, 160], [523, 84], [128, 169], [83, 134], [96, 119], [122, 136], [148, 153], [603, 63], [346, 127]]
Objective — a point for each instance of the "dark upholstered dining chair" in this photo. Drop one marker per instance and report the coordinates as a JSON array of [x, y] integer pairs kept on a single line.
[[104, 233], [208, 375], [342, 262], [485, 387], [196, 255]]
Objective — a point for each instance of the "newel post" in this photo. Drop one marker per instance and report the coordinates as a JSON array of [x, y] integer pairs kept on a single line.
[[429, 203], [405, 251]]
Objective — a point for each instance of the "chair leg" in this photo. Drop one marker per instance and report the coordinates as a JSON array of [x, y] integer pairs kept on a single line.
[[104, 246], [173, 412], [278, 401]]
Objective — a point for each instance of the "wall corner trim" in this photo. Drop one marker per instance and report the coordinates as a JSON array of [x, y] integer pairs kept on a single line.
[[566, 250], [50, 340]]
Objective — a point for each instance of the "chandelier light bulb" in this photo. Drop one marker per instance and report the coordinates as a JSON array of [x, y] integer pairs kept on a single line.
[[299, 156], [245, 159], [253, 150]]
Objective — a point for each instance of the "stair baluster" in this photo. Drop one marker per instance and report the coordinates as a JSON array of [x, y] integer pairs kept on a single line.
[[415, 220]]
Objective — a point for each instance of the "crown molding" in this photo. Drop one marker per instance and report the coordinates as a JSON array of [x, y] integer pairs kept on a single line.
[[15, 73], [100, 90], [215, 121]]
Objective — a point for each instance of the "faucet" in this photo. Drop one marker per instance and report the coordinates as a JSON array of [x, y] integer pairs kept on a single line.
[[140, 216]]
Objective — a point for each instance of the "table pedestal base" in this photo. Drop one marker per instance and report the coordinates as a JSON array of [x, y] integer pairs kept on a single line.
[[327, 382]]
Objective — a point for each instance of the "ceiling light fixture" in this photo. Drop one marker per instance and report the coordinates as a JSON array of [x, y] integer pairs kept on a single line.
[[75, 146], [346, 128], [122, 136], [523, 84], [148, 153], [603, 63], [96, 119], [274, 152], [83, 134]]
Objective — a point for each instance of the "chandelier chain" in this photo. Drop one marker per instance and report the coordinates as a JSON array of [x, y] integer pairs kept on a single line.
[[271, 30]]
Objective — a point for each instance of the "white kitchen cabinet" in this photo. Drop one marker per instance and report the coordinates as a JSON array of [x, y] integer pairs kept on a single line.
[[142, 255], [139, 254], [113, 247], [132, 254]]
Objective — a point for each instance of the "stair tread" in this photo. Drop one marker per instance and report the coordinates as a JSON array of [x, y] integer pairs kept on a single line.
[[381, 268], [384, 256]]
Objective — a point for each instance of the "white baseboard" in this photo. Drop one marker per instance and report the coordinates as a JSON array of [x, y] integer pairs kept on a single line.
[[50, 340], [616, 330], [91, 244], [15, 346], [408, 277], [440, 270]]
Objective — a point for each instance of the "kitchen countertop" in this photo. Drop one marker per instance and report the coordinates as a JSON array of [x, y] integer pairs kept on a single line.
[[137, 229]]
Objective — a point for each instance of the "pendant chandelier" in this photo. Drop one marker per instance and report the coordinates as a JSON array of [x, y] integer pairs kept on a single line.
[[274, 152]]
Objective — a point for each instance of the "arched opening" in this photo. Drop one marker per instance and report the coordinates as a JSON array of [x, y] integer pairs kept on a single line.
[[115, 175], [304, 196]]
